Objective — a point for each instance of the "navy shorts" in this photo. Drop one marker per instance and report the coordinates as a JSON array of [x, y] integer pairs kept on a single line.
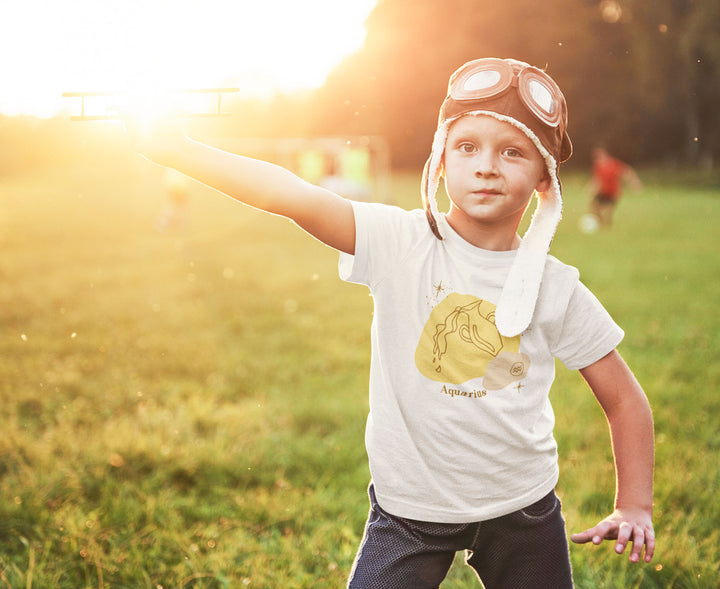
[[604, 199], [524, 549]]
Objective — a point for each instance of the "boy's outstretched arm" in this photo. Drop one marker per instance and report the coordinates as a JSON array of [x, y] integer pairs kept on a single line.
[[631, 431], [259, 184]]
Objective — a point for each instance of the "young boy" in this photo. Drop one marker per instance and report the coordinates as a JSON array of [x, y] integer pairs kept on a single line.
[[468, 321]]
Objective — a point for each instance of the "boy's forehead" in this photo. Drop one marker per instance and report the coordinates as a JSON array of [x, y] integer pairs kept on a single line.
[[489, 127]]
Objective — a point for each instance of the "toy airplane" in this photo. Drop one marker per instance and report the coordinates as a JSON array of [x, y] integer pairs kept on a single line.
[[83, 116]]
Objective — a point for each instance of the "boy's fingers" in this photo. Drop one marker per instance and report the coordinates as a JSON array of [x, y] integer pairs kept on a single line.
[[605, 531], [584, 536], [638, 544], [625, 533], [602, 531], [581, 537], [640, 538], [623, 537], [649, 545]]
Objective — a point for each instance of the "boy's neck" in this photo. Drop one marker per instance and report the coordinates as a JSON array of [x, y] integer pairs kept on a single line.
[[491, 238]]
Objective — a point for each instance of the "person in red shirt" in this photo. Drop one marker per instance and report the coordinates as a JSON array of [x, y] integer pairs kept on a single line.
[[608, 175]]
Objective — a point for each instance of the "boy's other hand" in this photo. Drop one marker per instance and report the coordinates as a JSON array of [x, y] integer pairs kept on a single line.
[[624, 525]]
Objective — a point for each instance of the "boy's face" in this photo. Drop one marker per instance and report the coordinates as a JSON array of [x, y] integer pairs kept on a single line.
[[491, 170]]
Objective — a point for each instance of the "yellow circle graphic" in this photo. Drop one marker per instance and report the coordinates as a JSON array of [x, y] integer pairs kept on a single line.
[[460, 340]]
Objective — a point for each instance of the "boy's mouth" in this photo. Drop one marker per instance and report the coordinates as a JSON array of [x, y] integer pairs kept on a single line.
[[486, 192]]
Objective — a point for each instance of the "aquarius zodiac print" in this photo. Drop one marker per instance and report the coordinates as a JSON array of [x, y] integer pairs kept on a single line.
[[460, 342]]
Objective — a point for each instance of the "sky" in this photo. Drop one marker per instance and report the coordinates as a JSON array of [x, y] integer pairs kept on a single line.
[[48, 47]]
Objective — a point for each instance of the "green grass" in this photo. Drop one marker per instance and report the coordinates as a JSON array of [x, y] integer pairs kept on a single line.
[[186, 408]]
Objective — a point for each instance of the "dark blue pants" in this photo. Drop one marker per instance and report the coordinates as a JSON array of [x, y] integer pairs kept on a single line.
[[524, 549]]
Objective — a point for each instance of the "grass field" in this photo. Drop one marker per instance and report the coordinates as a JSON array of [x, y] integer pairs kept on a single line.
[[186, 408]]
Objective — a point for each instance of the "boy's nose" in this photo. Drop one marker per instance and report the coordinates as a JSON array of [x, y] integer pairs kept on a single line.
[[486, 164]]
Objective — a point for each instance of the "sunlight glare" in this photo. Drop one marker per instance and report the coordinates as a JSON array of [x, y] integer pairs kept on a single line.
[[90, 45]]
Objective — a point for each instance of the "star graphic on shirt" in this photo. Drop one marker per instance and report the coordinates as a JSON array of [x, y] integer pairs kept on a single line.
[[437, 293]]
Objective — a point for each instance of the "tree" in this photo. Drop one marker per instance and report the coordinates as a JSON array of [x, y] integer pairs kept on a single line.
[[640, 76]]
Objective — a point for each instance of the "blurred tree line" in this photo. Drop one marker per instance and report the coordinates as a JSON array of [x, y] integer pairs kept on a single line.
[[641, 76]]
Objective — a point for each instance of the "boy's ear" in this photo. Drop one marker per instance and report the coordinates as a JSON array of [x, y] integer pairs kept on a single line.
[[544, 183]]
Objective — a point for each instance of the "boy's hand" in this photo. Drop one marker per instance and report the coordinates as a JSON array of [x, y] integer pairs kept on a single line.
[[154, 131], [624, 525]]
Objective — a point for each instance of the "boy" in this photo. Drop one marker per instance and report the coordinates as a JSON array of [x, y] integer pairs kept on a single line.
[[468, 320]]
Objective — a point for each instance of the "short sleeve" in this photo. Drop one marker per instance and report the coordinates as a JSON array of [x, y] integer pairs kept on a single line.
[[384, 235], [588, 331]]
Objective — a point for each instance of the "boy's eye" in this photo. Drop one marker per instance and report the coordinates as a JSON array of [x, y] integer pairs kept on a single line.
[[467, 147], [512, 152]]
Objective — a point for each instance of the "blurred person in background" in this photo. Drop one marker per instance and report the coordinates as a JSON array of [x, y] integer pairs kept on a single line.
[[609, 174]]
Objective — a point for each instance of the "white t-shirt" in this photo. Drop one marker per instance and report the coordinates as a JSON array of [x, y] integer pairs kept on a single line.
[[460, 424]]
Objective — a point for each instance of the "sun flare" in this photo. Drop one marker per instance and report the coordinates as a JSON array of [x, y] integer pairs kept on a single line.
[[89, 45]]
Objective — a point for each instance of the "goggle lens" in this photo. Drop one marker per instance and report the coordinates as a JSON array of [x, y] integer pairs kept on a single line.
[[494, 76], [541, 96], [482, 81]]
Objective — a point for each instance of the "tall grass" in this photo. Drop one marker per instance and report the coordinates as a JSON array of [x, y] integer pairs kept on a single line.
[[186, 408]]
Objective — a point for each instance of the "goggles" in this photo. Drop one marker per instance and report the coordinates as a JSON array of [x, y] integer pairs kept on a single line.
[[492, 77], [514, 89]]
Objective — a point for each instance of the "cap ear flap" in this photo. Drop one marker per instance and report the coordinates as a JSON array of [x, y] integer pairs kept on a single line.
[[516, 305], [431, 177], [426, 191], [433, 223]]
